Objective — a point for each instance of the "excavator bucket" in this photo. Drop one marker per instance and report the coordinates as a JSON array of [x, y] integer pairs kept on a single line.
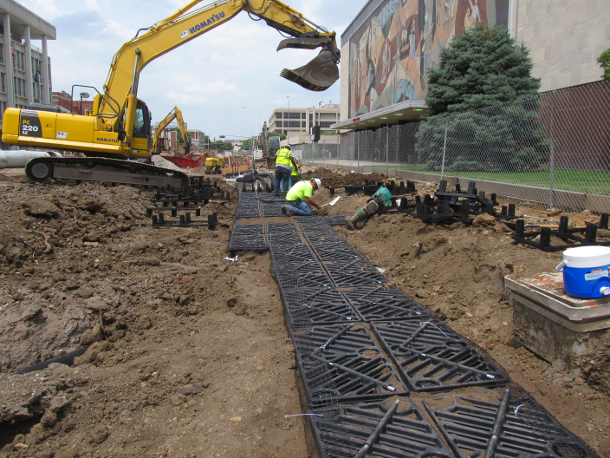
[[317, 75]]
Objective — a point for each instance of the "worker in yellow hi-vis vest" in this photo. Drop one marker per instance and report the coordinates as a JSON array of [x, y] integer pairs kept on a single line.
[[283, 169], [296, 168]]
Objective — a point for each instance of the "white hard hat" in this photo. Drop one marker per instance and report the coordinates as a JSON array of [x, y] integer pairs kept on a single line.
[[318, 182]]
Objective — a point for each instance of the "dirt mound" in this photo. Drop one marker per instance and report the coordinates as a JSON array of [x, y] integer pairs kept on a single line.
[[341, 178], [188, 354]]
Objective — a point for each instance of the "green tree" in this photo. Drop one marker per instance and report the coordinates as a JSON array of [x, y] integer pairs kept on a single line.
[[179, 134], [484, 85], [604, 62], [278, 134]]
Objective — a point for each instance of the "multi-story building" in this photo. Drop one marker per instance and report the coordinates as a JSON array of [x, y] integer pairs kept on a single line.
[[296, 123], [390, 46], [25, 69], [65, 100], [197, 139]]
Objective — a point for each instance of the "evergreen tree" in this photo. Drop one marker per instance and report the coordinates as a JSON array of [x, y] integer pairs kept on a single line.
[[604, 62], [484, 85]]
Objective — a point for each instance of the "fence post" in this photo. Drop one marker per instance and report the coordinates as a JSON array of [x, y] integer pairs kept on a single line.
[[552, 184], [358, 152], [387, 152], [397, 141], [444, 148]]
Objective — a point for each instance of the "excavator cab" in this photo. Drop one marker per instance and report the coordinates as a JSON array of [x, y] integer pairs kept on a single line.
[[142, 136]]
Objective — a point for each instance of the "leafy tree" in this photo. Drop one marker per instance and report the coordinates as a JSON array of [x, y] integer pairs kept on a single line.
[[278, 134], [179, 134], [604, 62], [484, 85], [222, 145]]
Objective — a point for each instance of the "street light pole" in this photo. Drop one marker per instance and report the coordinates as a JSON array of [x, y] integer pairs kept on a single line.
[[289, 118]]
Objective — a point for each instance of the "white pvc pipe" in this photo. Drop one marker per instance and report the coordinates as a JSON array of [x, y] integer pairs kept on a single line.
[[18, 158]]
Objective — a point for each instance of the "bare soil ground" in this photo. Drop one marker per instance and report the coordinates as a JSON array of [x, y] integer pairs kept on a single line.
[[188, 354]]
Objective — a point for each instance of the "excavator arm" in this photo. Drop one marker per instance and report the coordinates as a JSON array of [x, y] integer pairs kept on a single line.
[[156, 143], [187, 24]]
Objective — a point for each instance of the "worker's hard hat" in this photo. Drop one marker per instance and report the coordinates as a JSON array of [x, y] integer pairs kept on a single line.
[[318, 182], [289, 146]]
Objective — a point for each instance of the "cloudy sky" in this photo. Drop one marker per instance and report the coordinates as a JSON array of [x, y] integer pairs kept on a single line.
[[211, 78]]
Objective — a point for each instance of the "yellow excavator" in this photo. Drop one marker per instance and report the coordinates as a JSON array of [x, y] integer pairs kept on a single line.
[[118, 126], [159, 142]]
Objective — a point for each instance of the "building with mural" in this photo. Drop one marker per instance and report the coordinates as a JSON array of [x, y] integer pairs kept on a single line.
[[389, 48]]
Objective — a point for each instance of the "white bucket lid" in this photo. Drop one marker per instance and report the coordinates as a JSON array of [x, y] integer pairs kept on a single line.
[[587, 256]]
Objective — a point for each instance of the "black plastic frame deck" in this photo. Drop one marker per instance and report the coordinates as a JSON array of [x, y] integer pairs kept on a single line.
[[247, 229], [340, 372], [510, 428], [255, 242], [389, 429], [431, 357], [377, 303], [281, 228]]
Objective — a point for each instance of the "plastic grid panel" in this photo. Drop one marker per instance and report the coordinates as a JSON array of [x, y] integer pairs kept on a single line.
[[306, 308], [354, 277], [247, 229], [247, 211], [521, 429], [432, 357], [381, 303], [327, 236], [390, 429], [248, 243], [353, 369], [272, 210], [281, 228]]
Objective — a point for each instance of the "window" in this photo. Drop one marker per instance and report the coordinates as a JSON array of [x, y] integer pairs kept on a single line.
[[22, 61], [1, 54], [15, 85], [292, 115], [3, 81], [326, 124], [279, 123], [278, 115], [303, 124], [293, 124], [302, 115], [141, 125]]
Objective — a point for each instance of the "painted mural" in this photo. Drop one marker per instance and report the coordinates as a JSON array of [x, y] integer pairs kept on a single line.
[[392, 53]]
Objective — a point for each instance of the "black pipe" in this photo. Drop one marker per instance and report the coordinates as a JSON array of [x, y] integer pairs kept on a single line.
[[67, 359]]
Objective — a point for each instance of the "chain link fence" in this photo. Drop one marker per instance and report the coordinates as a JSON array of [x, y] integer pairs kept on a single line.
[[552, 149]]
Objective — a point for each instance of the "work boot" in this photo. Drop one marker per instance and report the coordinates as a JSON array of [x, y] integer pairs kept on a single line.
[[349, 225], [288, 210], [283, 209]]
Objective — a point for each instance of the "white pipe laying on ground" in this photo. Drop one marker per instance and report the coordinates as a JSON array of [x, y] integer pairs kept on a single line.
[[19, 158]]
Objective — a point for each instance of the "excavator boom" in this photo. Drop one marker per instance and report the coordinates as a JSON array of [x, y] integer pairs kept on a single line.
[[184, 145], [118, 126]]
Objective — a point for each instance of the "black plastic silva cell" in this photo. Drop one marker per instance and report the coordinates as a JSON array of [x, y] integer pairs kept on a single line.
[[248, 243], [432, 357], [247, 229], [281, 228], [347, 367], [381, 303], [390, 429], [508, 426], [272, 210]]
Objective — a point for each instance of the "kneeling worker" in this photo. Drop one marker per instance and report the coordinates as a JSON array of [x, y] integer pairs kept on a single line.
[[299, 196]]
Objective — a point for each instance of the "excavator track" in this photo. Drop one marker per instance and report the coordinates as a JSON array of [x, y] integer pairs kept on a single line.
[[103, 170]]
